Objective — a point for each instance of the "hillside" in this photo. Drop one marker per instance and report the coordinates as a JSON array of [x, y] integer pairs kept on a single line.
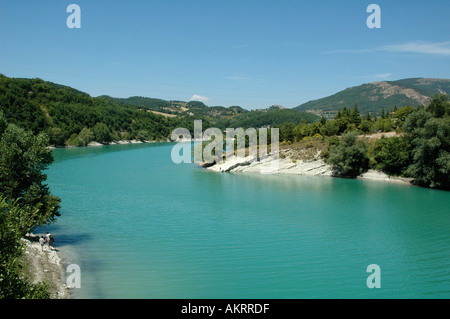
[[219, 116], [71, 117], [373, 97]]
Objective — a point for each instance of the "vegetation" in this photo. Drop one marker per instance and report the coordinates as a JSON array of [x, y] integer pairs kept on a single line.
[[372, 97], [428, 132], [25, 202], [420, 149], [12, 284], [63, 113], [391, 155], [349, 156]]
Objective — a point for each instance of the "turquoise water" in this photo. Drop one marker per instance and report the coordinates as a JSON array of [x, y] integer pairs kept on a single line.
[[140, 226]]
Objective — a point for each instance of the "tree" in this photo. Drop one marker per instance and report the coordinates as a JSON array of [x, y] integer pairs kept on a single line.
[[330, 128], [429, 135], [57, 136], [356, 116], [366, 126], [25, 202], [86, 136], [402, 113], [391, 155], [102, 133], [383, 125], [286, 132], [23, 157], [13, 224], [143, 135], [349, 157]]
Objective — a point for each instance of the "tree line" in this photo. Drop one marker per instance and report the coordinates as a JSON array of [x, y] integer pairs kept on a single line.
[[73, 118], [421, 152]]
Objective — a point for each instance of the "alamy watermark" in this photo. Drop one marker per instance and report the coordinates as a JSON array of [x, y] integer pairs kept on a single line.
[[74, 279], [251, 144], [74, 19], [374, 279], [374, 20]]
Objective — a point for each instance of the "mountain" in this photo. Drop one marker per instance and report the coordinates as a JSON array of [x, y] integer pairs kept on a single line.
[[219, 116], [373, 97], [75, 118]]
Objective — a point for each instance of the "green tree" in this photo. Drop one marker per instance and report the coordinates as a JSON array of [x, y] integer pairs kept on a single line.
[[25, 202], [56, 136], [330, 128], [143, 135], [74, 140], [356, 116], [14, 222], [286, 132], [366, 126], [23, 157], [429, 135], [349, 157], [391, 155], [86, 136], [383, 125], [102, 133]]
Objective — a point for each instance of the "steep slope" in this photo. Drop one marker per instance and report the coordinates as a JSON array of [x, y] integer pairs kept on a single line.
[[373, 97]]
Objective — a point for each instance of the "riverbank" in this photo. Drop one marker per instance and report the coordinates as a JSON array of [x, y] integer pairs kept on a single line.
[[96, 144], [45, 266], [286, 162]]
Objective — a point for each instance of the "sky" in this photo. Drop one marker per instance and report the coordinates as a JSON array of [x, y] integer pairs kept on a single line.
[[224, 52]]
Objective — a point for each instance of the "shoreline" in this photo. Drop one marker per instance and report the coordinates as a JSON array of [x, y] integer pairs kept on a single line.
[[98, 144], [45, 266], [288, 166]]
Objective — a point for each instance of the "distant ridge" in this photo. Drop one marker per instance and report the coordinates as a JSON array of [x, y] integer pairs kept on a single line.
[[373, 97]]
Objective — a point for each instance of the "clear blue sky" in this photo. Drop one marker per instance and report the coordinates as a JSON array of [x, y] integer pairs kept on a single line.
[[249, 53]]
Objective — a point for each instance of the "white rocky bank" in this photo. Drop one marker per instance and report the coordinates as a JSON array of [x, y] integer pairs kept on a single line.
[[272, 164]]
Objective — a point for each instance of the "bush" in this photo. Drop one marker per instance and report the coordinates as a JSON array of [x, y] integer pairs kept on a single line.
[[428, 131], [349, 157], [391, 155]]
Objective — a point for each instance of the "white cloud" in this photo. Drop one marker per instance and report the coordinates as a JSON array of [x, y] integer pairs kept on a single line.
[[436, 48], [382, 75], [199, 98], [440, 48]]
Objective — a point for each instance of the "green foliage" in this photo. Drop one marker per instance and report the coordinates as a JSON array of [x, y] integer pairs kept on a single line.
[[391, 155], [13, 223], [56, 136], [403, 112], [25, 202], [143, 135], [383, 125], [61, 112], [429, 134], [102, 133], [273, 118], [372, 97], [23, 157], [86, 136], [366, 126], [349, 157]]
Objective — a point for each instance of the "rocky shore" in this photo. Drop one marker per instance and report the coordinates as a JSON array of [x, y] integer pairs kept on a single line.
[[284, 163], [45, 266]]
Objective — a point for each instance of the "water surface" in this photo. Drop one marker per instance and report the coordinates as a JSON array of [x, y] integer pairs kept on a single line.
[[140, 226]]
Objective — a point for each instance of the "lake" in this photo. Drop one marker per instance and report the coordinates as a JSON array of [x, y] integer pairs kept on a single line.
[[140, 226]]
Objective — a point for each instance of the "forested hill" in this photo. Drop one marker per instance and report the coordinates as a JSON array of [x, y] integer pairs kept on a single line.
[[376, 96], [72, 117]]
